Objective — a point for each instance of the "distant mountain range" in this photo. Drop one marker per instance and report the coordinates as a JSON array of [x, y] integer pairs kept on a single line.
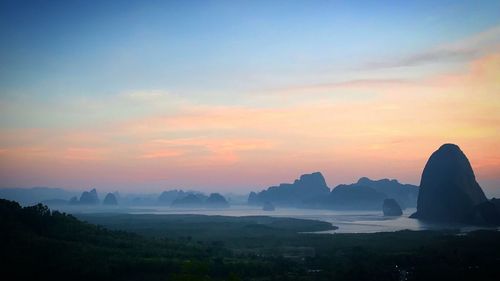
[[311, 191], [170, 196], [373, 192], [304, 191], [56, 197], [448, 192], [193, 200], [34, 195]]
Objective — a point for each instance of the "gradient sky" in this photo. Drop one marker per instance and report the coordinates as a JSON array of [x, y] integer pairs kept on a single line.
[[239, 95]]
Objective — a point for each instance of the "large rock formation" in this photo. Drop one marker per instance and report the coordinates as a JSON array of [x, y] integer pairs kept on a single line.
[[215, 200], [311, 191], [190, 200], [110, 199], [253, 199], [448, 188], [177, 197], [405, 194], [307, 188], [391, 208], [169, 196], [367, 194], [89, 197]]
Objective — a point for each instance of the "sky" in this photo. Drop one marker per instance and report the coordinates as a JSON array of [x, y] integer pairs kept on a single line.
[[236, 96]]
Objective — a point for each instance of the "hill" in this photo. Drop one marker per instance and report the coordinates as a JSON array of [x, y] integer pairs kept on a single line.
[[38, 244], [311, 191]]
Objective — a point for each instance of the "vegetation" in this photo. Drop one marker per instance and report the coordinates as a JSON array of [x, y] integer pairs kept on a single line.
[[38, 243]]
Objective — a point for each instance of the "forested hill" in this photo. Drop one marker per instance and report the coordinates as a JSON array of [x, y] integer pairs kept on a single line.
[[39, 244]]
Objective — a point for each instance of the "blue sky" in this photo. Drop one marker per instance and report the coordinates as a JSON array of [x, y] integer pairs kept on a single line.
[[104, 47]]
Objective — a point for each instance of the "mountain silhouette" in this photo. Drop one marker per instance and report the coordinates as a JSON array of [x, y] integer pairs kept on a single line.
[[169, 196], [448, 188], [367, 194], [311, 191], [215, 200], [89, 197], [110, 199], [190, 200], [308, 188], [405, 194], [391, 208]]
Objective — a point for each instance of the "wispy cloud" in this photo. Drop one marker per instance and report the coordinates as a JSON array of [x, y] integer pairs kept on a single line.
[[355, 84], [466, 49]]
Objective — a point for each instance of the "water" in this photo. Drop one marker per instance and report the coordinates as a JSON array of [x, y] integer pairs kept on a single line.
[[346, 221]]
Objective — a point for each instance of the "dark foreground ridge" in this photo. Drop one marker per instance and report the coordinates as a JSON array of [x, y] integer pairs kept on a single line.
[[37, 244], [449, 191]]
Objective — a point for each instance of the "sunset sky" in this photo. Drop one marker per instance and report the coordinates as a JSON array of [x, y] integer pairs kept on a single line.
[[235, 96]]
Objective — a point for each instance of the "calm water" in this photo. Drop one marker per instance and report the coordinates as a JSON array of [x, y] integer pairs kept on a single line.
[[346, 221]]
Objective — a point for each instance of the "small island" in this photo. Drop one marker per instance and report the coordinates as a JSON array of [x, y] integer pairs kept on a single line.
[[391, 208]]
